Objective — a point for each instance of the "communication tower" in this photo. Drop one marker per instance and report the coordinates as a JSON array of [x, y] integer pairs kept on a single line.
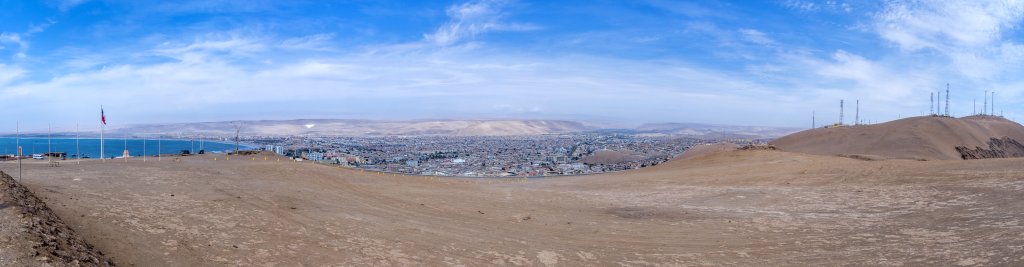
[[947, 99], [840, 112], [993, 104], [856, 116]]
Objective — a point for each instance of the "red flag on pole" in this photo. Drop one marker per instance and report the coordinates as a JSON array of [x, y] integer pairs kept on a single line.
[[103, 118]]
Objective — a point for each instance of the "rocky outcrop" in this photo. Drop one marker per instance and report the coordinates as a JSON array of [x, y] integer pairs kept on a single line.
[[997, 148], [52, 241], [759, 147]]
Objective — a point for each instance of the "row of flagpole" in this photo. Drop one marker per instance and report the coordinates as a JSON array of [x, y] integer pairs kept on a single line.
[[78, 150], [78, 153]]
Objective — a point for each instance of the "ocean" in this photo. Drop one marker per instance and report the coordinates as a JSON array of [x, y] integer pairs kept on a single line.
[[112, 147]]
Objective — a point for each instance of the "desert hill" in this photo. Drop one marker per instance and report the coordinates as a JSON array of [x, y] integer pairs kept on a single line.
[[366, 127], [715, 130], [922, 138]]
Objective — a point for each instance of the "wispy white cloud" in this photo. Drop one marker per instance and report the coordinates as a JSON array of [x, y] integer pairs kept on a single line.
[[10, 73], [805, 6], [757, 37], [209, 45], [13, 38], [840, 6], [65, 5], [38, 28], [467, 20], [799, 5], [969, 33], [941, 25], [316, 42]]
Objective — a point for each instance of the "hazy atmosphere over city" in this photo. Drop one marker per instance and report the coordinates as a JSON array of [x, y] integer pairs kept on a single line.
[[768, 63]]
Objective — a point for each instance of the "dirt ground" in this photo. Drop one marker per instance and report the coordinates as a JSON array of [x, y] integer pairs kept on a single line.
[[752, 208]]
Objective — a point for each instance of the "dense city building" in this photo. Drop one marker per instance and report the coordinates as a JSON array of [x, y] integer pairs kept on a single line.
[[487, 156]]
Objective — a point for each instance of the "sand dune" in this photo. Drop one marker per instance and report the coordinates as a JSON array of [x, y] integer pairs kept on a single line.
[[924, 138]]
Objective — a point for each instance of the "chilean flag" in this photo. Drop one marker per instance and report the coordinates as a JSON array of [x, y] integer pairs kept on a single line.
[[103, 118]]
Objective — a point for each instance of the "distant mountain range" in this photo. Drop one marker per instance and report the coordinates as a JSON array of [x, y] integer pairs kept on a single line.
[[341, 127], [716, 130], [365, 127]]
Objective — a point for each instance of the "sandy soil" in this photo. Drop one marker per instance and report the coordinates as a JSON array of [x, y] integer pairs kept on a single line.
[[753, 208]]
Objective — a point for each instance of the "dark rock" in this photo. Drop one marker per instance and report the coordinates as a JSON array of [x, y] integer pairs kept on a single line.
[[997, 148]]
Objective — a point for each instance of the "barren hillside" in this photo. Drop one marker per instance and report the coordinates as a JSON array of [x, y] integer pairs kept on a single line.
[[747, 208], [925, 138]]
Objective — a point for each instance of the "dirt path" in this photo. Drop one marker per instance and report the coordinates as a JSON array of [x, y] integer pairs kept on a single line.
[[743, 208]]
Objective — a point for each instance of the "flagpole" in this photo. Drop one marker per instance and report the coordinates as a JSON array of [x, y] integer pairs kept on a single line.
[[49, 150], [17, 142], [78, 148], [158, 137], [102, 123], [143, 148], [126, 153]]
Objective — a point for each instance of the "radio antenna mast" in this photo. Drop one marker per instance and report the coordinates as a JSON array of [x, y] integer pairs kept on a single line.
[[840, 112], [947, 99], [856, 116]]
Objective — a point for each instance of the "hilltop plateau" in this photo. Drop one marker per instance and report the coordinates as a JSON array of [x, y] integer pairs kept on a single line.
[[730, 207]]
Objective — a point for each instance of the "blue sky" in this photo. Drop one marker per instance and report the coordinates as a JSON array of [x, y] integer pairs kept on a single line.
[[627, 62]]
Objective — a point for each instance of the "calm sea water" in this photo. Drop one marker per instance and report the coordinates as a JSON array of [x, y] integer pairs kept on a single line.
[[112, 147]]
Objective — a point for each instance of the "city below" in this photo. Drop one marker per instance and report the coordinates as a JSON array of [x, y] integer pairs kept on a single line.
[[487, 156]]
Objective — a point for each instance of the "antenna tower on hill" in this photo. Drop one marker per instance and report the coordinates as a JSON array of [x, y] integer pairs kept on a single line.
[[840, 112], [931, 103], [856, 116], [947, 99]]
